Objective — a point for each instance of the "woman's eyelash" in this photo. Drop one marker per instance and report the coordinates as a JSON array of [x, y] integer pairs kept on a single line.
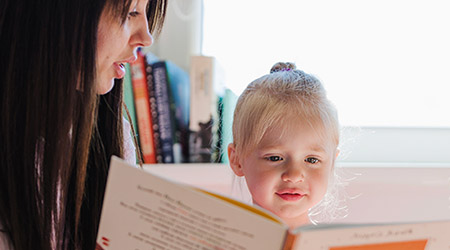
[[133, 13]]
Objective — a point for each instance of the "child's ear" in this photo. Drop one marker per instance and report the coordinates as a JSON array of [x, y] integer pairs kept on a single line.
[[337, 152], [234, 160]]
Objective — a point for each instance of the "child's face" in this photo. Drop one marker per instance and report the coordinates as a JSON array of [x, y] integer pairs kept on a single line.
[[288, 173]]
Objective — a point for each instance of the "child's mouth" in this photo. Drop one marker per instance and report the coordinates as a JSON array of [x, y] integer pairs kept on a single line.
[[290, 196]]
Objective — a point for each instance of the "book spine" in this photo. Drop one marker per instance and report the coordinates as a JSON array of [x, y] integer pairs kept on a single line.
[[165, 120], [153, 112], [228, 104], [128, 98], [206, 88], [217, 149], [289, 241], [142, 105], [179, 89]]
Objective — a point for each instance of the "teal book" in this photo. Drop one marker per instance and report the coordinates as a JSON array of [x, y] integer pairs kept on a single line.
[[228, 103], [128, 97]]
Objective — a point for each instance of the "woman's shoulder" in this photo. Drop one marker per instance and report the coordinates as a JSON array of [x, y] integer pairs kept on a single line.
[[5, 243]]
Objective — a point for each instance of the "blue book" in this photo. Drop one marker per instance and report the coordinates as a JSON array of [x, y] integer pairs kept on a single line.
[[153, 111], [180, 95], [163, 107]]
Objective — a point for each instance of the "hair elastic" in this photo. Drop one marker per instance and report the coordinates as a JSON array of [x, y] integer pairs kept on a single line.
[[280, 70]]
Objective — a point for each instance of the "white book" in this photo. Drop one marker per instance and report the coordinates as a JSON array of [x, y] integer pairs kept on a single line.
[[207, 87], [144, 211]]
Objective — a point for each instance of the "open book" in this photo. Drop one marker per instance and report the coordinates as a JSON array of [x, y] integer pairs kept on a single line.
[[144, 211]]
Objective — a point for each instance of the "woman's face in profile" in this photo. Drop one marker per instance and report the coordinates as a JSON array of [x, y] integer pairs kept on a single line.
[[117, 43]]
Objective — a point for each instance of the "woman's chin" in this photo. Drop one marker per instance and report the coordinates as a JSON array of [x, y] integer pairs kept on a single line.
[[105, 87]]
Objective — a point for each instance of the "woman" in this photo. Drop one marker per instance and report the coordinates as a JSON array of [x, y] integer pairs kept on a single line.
[[61, 116]]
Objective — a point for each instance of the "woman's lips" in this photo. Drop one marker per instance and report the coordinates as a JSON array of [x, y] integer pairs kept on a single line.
[[119, 66], [120, 70]]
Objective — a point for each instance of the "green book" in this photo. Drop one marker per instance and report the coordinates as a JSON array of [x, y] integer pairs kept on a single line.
[[128, 97], [228, 104]]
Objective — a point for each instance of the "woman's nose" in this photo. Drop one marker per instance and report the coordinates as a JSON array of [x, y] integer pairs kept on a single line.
[[142, 36], [147, 38]]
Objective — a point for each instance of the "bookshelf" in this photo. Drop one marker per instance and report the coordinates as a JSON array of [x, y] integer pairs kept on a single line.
[[187, 115], [184, 23]]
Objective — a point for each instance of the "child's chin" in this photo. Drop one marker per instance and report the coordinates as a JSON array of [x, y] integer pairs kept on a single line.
[[294, 215], [296, 221]]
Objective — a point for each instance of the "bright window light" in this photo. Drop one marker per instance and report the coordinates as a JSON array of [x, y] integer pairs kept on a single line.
[[384, 63]]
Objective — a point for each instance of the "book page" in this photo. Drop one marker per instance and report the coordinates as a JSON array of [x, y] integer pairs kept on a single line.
[[410, 236], [143, 211]]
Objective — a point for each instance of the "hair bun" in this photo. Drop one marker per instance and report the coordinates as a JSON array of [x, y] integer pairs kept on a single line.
[[282, 66]]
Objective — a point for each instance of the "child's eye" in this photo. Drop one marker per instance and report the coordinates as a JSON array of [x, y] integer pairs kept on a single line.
[[312, 160], [274, 158]]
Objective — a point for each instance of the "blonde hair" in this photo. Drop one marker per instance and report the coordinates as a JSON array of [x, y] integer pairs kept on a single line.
[[284, 98], [286, 93]]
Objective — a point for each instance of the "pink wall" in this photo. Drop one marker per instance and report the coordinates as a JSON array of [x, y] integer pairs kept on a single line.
[[381, 192], [394, 194]]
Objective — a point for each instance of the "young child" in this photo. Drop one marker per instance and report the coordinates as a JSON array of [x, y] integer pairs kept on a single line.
[[285, 139]]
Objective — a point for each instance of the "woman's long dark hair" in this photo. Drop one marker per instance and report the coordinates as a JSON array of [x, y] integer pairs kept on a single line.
[[56, 134]]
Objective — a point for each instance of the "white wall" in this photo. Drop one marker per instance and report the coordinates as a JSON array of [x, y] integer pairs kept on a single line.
[[181, 36], [381, 193], [394, 145]]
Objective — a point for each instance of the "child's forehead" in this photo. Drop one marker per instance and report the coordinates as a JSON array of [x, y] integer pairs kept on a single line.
[[284, 129], [298, 136], [291, 120]]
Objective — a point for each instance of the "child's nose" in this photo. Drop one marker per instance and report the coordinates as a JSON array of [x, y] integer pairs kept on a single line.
[[293, 174]]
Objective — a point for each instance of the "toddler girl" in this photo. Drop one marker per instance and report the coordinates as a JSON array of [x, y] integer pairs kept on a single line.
[[285, 139]]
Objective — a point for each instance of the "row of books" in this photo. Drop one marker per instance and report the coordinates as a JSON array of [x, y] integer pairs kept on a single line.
[[180, 117]]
